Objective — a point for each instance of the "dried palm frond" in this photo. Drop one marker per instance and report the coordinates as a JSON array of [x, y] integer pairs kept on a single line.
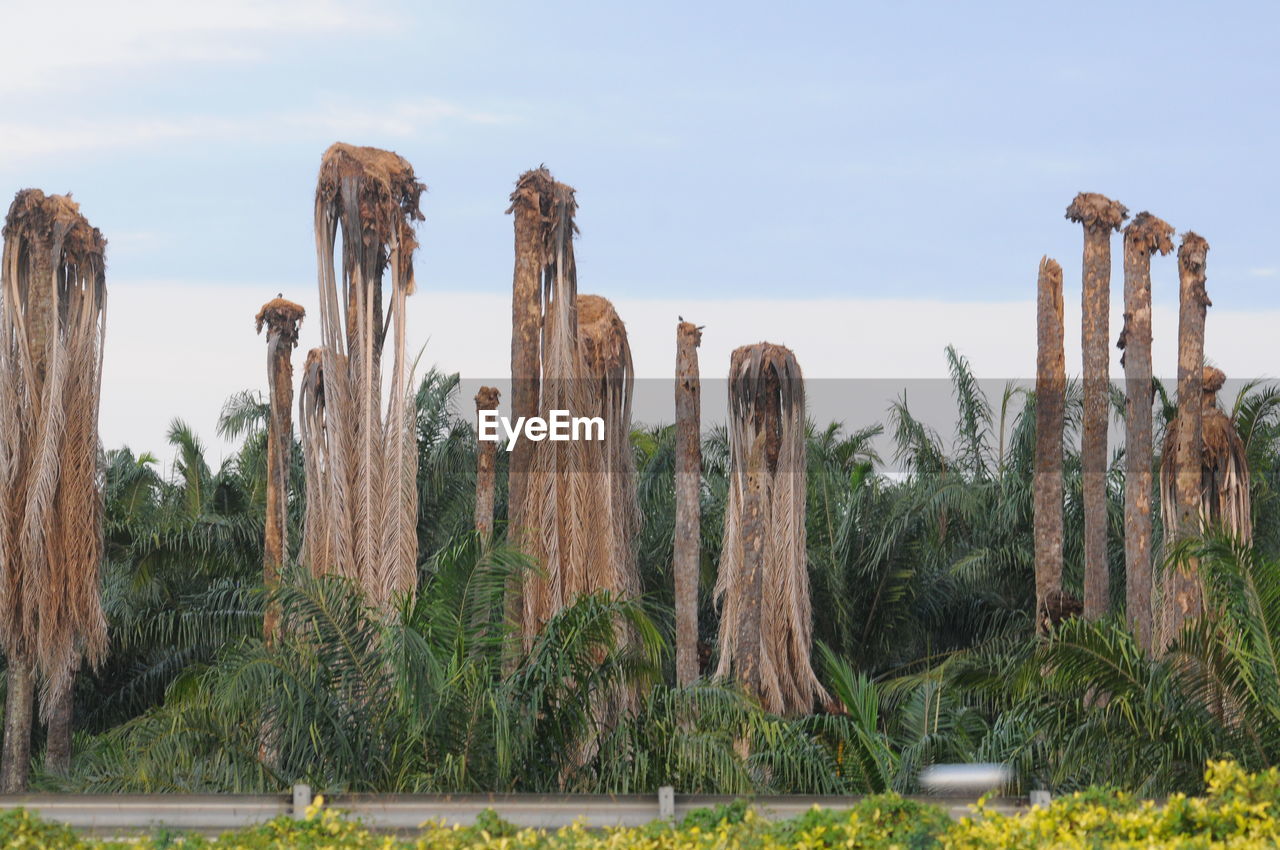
[[362, 522], [1224, 470], [766, 628], [610, 383], [1222, 500], [52, 321]]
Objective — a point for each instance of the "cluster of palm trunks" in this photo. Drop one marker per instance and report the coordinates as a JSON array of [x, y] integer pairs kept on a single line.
[[572, 505], [1203, 476]]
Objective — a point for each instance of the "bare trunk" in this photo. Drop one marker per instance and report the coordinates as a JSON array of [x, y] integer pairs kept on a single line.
[[486, 466], [281, 318], [1182, 593], [15, 765], [1051, 381], [530, 204], [1146, 235], [1100, 216], [57, 750], [688, 540]]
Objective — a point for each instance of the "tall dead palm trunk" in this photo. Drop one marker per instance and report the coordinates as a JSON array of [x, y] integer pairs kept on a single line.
[[1099, 215], [1181, 483], [1143, 237], [52, 318], [531, 209], [766, 628], [281, 318], [608, 385], [363, 521], [1051, 382], [486, 469], [688, 531]]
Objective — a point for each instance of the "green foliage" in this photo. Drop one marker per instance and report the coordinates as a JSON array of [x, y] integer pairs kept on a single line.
[[922, 587], [1238, 810]]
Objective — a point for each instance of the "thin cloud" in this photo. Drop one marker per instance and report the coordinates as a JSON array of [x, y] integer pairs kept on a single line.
[[94, 37], [1269, 271], [397, 120]]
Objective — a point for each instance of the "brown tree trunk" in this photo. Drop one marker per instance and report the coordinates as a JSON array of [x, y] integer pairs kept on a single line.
[[688, 540], [1182, 593], [15, 764], [530, 205], [1051, 382], [281, 318], [57, 750], [1100, 216], [1146, 235], [486, 466]]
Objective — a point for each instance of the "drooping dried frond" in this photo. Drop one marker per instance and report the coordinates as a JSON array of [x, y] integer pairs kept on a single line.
[[763, 584], [52, 319], [1096, 210], [1224, 475], [1149, 234], [366, 506], [317, 529], [610, 381], [281, 318]]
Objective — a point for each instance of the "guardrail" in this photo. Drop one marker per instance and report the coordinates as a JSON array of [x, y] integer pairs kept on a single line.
[[119, 814]]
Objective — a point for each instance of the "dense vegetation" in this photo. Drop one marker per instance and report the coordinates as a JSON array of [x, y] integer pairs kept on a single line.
[[1238, 810], [922, 589]]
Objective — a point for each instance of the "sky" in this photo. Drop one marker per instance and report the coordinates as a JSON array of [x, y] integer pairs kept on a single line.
[[865, 182]]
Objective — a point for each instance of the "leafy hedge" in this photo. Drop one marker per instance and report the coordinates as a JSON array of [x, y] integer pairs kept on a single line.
[[1238, 810]]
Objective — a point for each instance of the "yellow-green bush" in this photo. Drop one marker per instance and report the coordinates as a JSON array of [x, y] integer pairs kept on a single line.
[[1238, 810]]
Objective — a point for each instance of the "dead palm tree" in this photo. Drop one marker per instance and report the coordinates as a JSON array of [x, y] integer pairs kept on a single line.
[[1181, 483], [609, 383], [1219, 491], [688, 508], [486, 469], [281, 318], [1099, 215], [52, 316], [361, 511], [763, 584], [531, 208], [1143, 237], [1051, 383]]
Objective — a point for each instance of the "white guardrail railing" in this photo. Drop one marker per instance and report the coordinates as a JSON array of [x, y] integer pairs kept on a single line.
[[114, 814]]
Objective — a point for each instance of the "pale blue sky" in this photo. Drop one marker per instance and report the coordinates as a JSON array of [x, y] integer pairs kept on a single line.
[[806, 150]]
